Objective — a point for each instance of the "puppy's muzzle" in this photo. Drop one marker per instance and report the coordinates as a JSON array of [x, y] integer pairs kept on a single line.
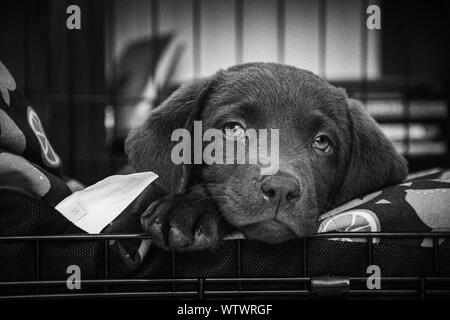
[[280, 190]]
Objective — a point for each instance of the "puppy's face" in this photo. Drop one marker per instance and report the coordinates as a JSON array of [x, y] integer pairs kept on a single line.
[[329, 148], [311, 118]]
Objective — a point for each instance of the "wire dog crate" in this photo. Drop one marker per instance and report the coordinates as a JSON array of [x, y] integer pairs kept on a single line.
[[305, 286], [63, 74]]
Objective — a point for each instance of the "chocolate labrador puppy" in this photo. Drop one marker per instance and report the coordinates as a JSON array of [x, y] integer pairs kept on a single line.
[[329, 151]]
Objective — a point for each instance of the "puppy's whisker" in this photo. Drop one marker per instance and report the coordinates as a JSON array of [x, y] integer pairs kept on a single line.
[[190, 188], [205, 198], [230, 176], [222, 187]]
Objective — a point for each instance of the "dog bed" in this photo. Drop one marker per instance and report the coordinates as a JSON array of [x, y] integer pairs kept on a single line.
[[31, 185]]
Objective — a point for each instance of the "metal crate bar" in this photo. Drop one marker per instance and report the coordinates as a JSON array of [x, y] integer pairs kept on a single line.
[[37, 263], [106, 262], [121, 295], [422, 285], [97, 282], [142, 236]]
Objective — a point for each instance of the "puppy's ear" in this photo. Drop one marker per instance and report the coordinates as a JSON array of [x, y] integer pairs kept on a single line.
[[149, 146], [374, 162]]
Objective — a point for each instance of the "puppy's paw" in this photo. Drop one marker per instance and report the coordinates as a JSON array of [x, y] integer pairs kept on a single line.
[[182, 222]]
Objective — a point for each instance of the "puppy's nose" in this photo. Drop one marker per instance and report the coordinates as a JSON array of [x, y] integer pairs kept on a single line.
[[280, 189]]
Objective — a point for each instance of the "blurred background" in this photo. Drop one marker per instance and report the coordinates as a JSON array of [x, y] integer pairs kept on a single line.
[[90, 86]]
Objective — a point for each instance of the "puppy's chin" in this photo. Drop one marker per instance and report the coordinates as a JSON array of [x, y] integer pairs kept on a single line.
[[268, 231]]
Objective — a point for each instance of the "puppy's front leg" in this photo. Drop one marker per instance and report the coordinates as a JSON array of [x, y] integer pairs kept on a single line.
[[183, 221]]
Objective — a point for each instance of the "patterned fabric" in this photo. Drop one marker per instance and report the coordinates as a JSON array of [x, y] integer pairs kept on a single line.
[[420, 204], [28, 162]]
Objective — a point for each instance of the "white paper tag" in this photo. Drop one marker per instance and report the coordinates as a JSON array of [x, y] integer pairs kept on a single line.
[[93, 208]]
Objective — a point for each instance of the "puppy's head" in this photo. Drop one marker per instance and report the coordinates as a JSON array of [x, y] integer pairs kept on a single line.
[[328, 149]]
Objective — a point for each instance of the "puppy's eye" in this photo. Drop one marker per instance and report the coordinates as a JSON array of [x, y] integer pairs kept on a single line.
[[322, 143], [233, 130]]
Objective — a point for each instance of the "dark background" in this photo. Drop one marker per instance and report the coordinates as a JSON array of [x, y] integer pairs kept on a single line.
[[64, 72]]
